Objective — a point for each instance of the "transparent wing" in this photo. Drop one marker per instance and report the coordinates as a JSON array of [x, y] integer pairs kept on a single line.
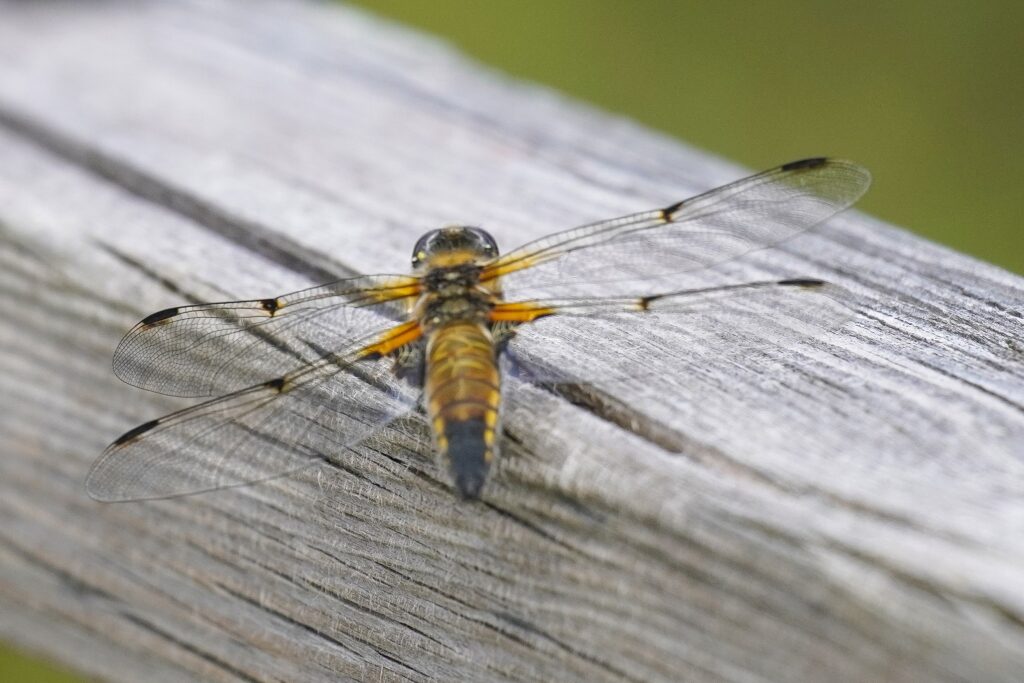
[[210, 349], [686, 330], [711, 228], [265, 431]]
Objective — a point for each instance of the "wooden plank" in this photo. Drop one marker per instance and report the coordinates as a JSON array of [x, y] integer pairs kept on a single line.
[[849, 507]]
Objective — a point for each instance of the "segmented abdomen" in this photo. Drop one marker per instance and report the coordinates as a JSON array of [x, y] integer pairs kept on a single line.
[[462, 391]]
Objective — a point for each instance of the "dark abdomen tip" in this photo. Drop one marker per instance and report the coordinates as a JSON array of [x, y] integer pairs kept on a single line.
[[468, 455]]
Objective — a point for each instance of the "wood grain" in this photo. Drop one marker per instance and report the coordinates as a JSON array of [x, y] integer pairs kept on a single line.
[[848, 508]]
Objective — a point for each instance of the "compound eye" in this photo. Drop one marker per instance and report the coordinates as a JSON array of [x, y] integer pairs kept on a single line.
[[488, 246]]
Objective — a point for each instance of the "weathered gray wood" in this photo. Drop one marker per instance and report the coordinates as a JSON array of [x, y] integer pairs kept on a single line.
[[849, 508]]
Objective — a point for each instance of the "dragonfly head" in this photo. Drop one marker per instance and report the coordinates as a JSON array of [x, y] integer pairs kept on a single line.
[[452, 246]]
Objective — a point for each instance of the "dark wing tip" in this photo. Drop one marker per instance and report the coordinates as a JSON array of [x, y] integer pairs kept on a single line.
[[812, 162], [132, 434], [154, 318], [803, 282]]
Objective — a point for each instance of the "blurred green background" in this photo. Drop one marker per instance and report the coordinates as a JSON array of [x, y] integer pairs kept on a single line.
[[17, 667], [928, 95]]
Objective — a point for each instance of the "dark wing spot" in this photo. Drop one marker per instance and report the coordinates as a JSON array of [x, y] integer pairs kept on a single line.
[[813, 162], [159, 316], [802, 282], [132, 434], [666, 213], [276, 384], [270, 305]]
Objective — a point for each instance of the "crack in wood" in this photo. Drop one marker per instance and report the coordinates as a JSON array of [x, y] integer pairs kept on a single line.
[[246, 233], [319, 634], [188, 647], [529, 627]]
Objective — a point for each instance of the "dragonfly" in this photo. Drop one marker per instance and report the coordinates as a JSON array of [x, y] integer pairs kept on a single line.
[[291, 379]]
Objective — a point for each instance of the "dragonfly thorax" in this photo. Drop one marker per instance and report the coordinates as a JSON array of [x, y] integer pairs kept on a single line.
[[452, 280], [450, 261], [460, 299]]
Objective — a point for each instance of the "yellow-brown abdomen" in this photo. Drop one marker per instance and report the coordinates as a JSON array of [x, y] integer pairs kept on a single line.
[[462, 391]]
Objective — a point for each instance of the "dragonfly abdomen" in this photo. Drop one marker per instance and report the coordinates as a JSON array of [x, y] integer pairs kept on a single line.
[[462, 392]]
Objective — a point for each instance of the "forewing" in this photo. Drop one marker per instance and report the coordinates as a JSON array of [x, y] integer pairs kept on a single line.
[[683, 332], [264, 431], [643, 249], [211, 349]]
